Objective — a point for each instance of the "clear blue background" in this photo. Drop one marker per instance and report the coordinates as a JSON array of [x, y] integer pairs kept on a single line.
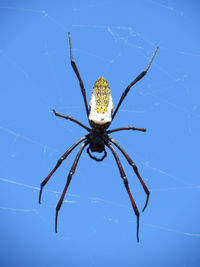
[[97, 226]]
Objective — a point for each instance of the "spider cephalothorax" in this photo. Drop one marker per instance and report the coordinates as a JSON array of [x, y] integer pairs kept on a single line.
[[97, 141], [100, 115]]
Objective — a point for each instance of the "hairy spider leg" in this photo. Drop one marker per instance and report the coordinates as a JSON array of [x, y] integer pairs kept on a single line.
[[139, 77], [122, 173], [68, 182], [126, 128], [134, 168], [71, 119], [63, 157], [78, 75]]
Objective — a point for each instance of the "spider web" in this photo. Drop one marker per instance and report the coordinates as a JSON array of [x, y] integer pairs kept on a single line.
[[164, 102]]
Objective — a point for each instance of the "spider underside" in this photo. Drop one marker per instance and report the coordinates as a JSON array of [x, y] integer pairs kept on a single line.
[[100, 114]]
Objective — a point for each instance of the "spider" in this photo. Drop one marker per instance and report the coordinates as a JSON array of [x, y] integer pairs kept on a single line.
[[100, 115]]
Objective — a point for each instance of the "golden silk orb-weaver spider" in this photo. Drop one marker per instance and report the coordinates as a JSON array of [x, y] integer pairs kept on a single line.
[[100, 115]]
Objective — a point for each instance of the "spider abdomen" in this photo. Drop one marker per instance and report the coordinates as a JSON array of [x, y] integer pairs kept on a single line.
[[101, 104]]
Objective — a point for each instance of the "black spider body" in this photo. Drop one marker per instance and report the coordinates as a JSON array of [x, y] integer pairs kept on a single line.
[[100, 115], [97, 142]]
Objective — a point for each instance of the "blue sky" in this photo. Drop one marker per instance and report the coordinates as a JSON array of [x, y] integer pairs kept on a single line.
[[96, 224]]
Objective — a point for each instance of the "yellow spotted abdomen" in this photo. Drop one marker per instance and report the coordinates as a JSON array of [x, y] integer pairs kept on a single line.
[[101, 91]]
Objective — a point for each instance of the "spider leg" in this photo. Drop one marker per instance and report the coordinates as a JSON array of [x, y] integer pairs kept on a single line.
[[126, 128], [63, 157], [68, 182], [134, 168], [122, 173], [71, 119], [78, 75], [139, 77]]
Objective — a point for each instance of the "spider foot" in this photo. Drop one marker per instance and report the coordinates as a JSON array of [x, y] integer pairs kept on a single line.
[[56, 220], [138, 229], [146, 202], [40, 194], [54, 112]]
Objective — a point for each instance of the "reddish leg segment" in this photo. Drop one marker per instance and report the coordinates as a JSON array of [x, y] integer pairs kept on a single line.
[[134, 168], [139, 77], [63, 157], [68, 182], [78, 75], [71, 119], [126, 128], [122, 173]]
